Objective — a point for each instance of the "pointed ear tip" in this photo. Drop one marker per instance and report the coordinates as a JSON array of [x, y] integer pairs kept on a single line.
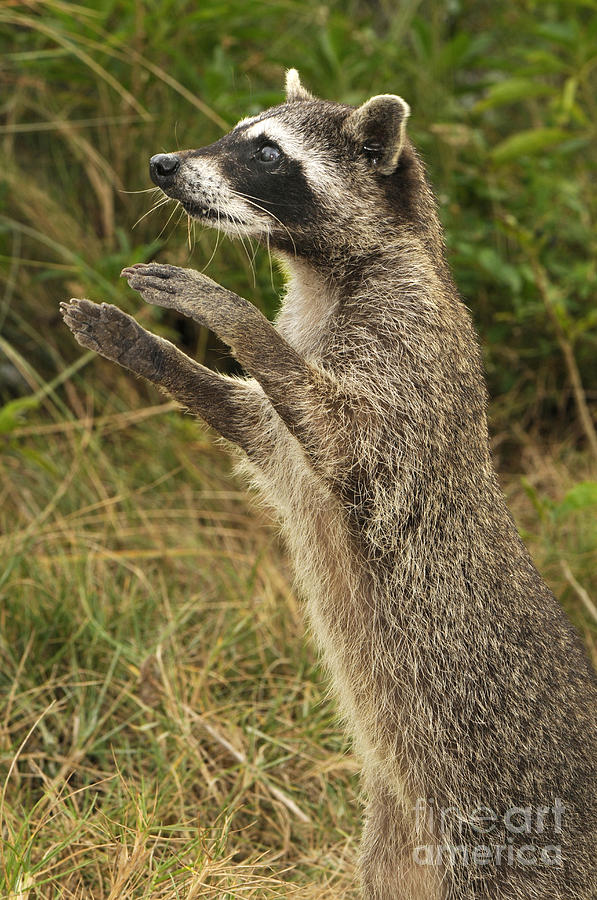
[[292, 78], [294, 89]]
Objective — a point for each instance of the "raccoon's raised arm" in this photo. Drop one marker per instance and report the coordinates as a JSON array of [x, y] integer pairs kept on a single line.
[[235, 410], [303, 395], [238, 411]]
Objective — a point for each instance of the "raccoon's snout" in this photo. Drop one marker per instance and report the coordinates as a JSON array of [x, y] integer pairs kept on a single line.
[[162, 168]]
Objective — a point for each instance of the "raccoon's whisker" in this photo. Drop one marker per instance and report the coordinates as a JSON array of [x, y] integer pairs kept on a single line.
[[255, 247], [215, 249], [250, 259], [251, 197], [177, 223], [150, 190], [269, 257], [166, 223], [169, 218], [157, 205], [234, 221], [267, 212]]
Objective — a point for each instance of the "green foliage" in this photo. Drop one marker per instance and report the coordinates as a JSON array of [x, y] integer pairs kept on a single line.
[[503, 102], [582, 496], [528, 143], [521, 165], [568, 522]]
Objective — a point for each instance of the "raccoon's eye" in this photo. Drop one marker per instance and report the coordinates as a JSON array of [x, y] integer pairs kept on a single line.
[[268, 153]]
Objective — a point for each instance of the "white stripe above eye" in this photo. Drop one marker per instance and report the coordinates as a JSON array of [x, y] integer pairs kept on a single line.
[[246, 121], [274, 129]]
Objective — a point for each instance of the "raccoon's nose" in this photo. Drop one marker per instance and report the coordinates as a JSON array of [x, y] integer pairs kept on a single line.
[[163, 168]]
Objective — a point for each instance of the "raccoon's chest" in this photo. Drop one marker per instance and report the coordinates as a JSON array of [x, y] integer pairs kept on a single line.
[[307, 312]]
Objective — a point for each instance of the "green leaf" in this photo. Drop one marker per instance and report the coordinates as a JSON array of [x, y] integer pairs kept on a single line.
[[528, 143], [563, 33], [581, 496], [12, 413], [511, 91], [542, 62]]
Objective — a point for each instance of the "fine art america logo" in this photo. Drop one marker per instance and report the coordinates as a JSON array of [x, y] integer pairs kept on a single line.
[[520, 836]]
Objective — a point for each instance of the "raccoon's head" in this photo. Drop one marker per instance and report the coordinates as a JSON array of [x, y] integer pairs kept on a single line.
[[309, 177]]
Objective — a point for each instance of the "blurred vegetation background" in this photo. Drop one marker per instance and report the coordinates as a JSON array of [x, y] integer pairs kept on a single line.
[[164, 730]]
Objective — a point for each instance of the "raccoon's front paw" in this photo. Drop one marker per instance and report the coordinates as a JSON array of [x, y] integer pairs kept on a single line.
[[185, 290], [102, 327], [162, 284]]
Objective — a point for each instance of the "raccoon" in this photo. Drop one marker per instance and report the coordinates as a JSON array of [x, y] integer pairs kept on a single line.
[[362, 422]]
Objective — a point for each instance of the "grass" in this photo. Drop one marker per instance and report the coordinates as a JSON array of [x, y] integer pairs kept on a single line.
[[165, 729]]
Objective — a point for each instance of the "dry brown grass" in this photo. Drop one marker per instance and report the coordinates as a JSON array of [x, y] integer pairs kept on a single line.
[[164, 727]]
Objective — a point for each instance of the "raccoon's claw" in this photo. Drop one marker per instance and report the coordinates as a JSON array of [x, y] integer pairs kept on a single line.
[[156, 270], [185, 290], [160, 285]]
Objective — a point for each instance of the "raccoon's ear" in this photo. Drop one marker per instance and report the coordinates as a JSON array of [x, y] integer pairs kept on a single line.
[[295, 92], [379, 125]]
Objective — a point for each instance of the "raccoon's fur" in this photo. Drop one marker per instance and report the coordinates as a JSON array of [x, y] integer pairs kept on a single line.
[[363, 424]]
